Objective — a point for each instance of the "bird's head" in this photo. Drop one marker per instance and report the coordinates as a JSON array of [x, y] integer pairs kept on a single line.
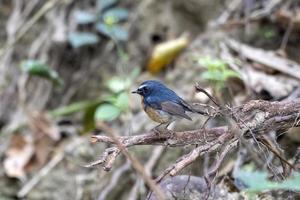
[[149, 87]]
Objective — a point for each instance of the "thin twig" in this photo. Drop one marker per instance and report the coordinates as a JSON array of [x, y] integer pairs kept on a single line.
[[195, 153], [231, 145], [26, 27], [156, 155], [256, 117], [42, 173], [135, 163], [114, 180], [286, 35]]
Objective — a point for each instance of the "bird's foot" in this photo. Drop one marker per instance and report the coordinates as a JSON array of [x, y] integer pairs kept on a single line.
[[160, 130], [156, 131]]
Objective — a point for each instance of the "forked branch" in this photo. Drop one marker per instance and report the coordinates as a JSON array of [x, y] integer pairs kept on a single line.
[[253, 119]]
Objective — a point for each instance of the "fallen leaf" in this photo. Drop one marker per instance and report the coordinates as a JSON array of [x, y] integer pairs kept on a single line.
[[165, 53], [284, 16], [282, 85], [266, 58], [41, 122], [43, 146], [45, 134], [18, 155]]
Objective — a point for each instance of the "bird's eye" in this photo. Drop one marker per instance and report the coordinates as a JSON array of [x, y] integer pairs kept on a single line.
[[145, 90]]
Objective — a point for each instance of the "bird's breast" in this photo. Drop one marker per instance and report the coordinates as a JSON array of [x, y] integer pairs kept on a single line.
[[158, 115]]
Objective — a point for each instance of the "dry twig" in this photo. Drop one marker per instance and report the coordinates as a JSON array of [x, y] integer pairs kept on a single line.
[[255, 118], [267, 58], [135, 163], [114, 180], [152, 161]]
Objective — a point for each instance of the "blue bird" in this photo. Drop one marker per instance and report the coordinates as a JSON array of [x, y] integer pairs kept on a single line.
[[162, 104]]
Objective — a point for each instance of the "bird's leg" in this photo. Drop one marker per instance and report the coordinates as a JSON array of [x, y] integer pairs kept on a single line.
[[161, 128], [203, 127], [156, 129]]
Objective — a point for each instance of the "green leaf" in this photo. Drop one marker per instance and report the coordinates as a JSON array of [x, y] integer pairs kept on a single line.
[[122, 101], [205, 61], [117, 84], [212, 76], [119, 33], [104, 29], [216, 71], [115, 15], [73, 108], [257, 181], [230, 73], [212, 64], [112, 31], [110, 99], [217, 64], [78, 39], [39, 68], [88, 118], [107, 112], [104, 4], [84, 17]]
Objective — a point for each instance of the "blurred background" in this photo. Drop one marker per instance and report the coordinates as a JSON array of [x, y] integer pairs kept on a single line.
[[65, 64]]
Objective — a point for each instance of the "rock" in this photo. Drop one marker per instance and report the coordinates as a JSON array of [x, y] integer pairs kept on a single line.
[[191, 188]]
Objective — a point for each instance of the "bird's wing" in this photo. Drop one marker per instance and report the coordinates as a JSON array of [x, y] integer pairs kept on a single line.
[[153, 102], [174, 109], [190, 108], [187, 106]]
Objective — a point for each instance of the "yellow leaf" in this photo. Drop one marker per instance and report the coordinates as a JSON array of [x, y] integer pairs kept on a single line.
[[165, 53]]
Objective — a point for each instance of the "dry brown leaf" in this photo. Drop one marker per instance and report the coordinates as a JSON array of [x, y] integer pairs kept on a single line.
[[278, 86], [267, 58], [284, 16], [18, 155], [43, 146], [41, 123], [165, 53]]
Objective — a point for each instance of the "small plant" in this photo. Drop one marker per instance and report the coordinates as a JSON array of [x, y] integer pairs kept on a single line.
[[105, 108], [117, 102], [106, 19], [257, 181], [217, 71]]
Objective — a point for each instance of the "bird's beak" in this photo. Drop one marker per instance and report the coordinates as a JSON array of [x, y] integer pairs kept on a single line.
[[135, 92]]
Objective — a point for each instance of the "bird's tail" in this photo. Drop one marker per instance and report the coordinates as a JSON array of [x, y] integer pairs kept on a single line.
[[194, 110]]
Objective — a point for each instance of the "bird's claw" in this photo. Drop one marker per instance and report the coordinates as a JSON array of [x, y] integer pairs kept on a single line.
[[160, 130]]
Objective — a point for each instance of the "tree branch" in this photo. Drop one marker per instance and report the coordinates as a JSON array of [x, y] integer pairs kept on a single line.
[[168, 138], [253, 119]]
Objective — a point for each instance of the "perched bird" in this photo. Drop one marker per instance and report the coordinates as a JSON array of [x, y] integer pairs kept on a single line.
[[162, 104]]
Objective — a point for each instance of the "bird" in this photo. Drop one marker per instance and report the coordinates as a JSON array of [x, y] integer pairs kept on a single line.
[[162, 104]]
